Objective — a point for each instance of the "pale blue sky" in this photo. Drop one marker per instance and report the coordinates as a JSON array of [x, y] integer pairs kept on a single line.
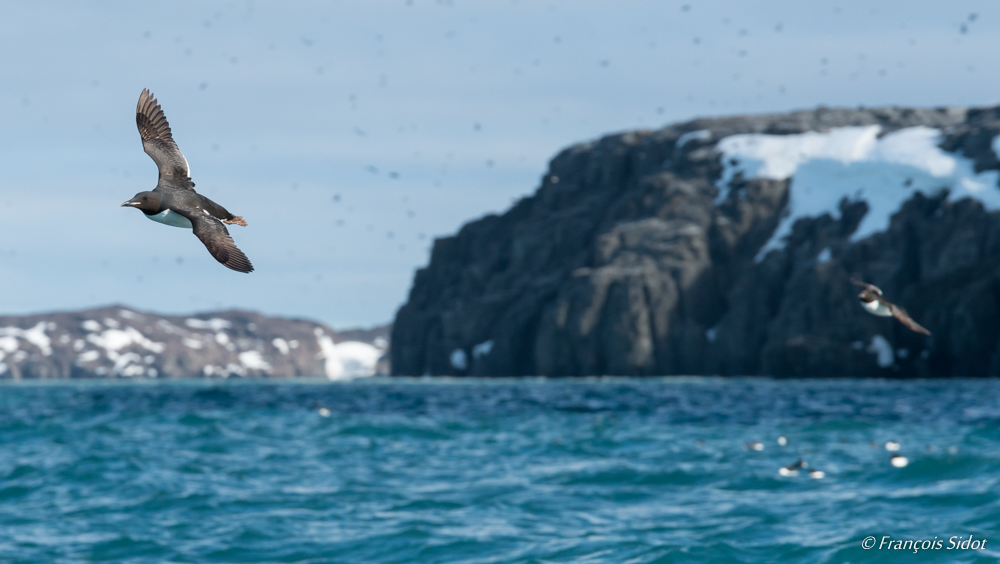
[[401, 120]]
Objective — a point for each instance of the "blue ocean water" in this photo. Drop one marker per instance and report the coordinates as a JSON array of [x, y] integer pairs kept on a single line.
[[614, 470]]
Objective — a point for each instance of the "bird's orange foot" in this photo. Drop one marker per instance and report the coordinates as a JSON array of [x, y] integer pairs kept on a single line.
[[236, 220]]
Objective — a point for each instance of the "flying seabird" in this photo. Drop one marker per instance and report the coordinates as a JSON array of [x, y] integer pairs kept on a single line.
[[873, 302], [174, 201]]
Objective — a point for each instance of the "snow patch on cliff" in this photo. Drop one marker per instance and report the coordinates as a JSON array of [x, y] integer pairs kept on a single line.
[[482, 349], [36, 336], [883, 351], [853, 163], [699, 135], [350, 359], [254, 361], [215, 324], [113, 340]]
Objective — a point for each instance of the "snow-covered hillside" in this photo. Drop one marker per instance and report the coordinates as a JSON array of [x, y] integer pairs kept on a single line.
[[119, 342]]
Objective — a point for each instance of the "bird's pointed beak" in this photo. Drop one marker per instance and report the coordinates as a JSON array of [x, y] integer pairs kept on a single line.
[[130, 203]]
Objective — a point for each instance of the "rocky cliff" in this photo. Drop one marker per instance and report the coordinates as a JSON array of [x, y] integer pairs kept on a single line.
[[724, 246], [120, 342]]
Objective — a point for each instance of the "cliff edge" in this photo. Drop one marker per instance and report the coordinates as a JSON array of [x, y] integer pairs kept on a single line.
[[724, 246]]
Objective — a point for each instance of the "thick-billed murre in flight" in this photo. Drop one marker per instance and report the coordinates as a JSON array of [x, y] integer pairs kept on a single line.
[[873, 302], [174, 201]]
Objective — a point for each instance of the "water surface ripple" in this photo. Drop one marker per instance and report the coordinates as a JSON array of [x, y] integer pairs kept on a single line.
[[531, 471]]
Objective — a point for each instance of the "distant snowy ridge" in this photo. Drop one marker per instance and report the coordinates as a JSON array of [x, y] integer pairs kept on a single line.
[[856, 164], [122, 343]]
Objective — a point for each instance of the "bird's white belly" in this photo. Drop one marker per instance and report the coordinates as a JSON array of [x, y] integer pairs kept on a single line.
[[172, 218], [878, 308]]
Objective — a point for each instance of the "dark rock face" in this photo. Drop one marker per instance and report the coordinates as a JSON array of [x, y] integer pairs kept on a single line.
[[623, 263], [120, 342]]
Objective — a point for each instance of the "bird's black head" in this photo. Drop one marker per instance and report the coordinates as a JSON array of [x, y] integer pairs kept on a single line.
[[148, 202]]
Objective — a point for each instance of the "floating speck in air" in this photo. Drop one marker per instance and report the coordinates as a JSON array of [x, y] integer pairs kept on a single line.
[[963, 29], [659, 110], [489, 162], [696, 40], [477, 127], [973, 16], [778, 27], [686, 8], [295, 185], [180, 260], [336, 197], [203, 86], [390, 234], [605, 63], [394, 175], [372, 169], [147, 34], [307, 42]]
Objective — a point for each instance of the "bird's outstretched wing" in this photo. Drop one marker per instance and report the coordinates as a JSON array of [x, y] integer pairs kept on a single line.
[[159, 144], [904, 318], [857, 281], [216, 238]]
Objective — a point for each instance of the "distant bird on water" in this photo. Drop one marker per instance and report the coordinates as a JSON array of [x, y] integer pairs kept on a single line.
[[873, 302], [174, 201]]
